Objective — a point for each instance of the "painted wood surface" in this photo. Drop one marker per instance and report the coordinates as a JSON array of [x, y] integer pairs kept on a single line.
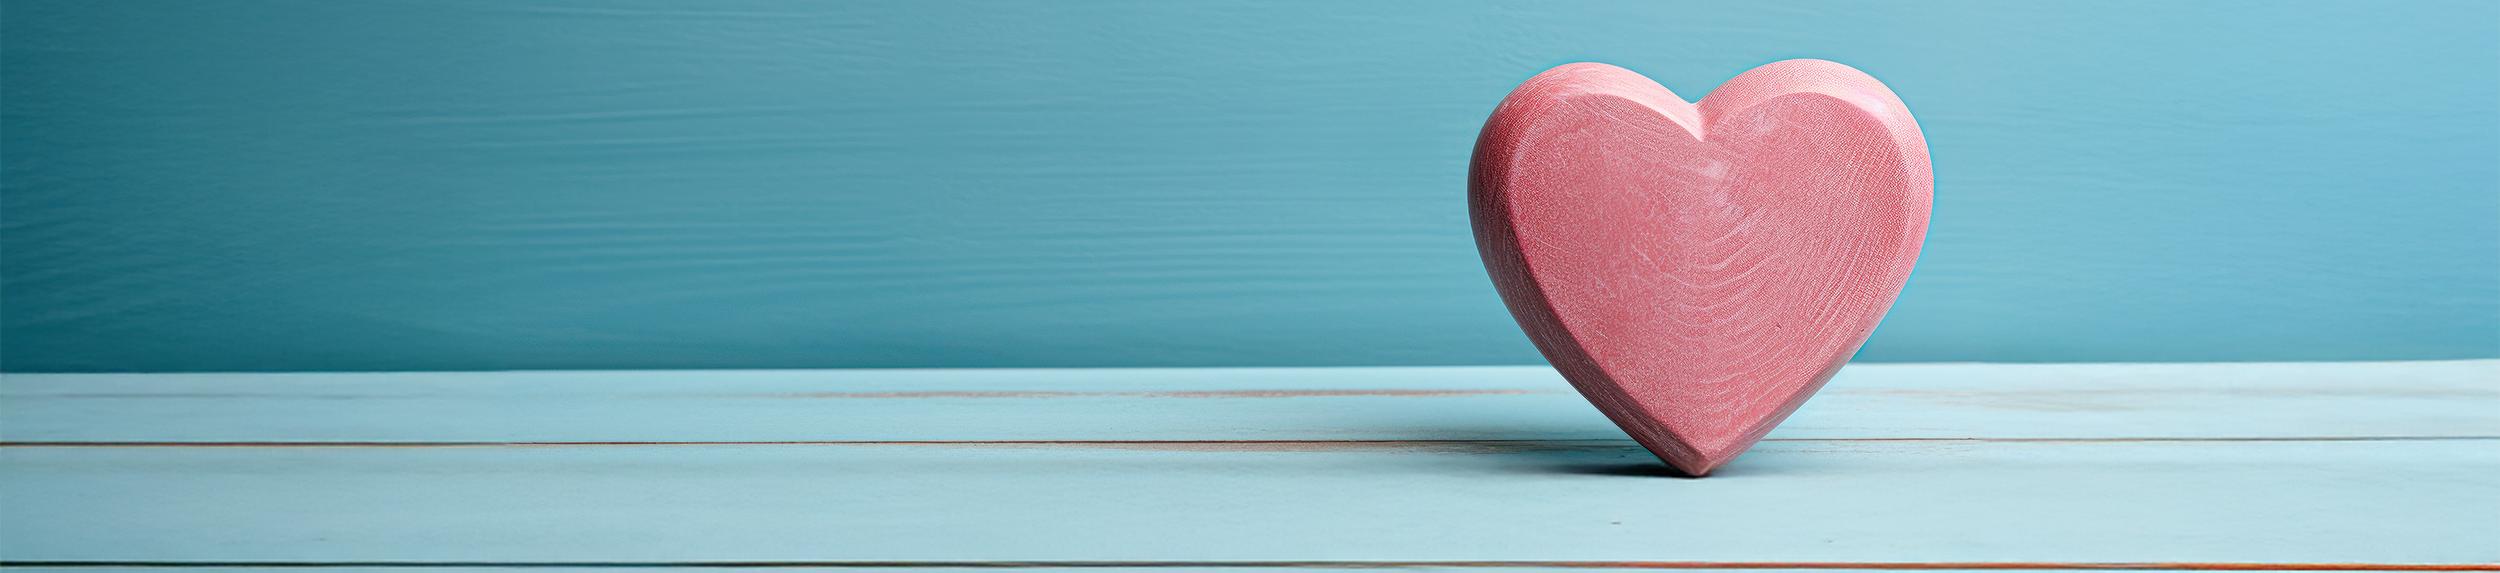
[[1870, 401], [1698, 270], [493, 184], [2297, 502], [2222, 493]]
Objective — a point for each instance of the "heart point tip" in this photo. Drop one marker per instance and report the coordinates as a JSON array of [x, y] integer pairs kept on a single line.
[[1697, 468], [1698, 463]]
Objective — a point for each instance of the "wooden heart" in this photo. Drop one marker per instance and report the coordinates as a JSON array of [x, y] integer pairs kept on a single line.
[[1698, 271]]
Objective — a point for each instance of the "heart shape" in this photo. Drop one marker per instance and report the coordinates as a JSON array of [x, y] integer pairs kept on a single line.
[[1699, 270]]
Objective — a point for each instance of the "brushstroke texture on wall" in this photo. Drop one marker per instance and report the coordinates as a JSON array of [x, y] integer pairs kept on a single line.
[[487, 184]]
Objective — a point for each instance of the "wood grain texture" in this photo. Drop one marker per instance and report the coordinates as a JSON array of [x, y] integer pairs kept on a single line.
[[666, 184], [1424, 404], [1699, 270], [2069, 480], [2422, 502]]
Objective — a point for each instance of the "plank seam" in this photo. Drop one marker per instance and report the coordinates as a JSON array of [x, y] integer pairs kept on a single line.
[[1895, 565], [1175, 443]]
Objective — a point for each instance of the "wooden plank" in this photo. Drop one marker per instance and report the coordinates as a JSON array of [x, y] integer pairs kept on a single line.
[[2396, 502], [2171, 401]]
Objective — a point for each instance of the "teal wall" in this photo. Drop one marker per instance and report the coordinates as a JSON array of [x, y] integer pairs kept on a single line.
[[440, 184]]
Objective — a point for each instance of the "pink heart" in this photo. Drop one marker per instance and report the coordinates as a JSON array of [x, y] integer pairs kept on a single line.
[[1698, 271]]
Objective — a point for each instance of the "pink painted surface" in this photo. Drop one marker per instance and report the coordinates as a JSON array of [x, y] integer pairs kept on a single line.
[[1699, 270]]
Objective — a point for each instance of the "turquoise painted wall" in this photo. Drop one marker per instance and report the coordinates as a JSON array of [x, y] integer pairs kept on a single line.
[[446, 184]]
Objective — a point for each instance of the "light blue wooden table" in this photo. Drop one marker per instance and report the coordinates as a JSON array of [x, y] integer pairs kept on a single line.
[[2375, 466]]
